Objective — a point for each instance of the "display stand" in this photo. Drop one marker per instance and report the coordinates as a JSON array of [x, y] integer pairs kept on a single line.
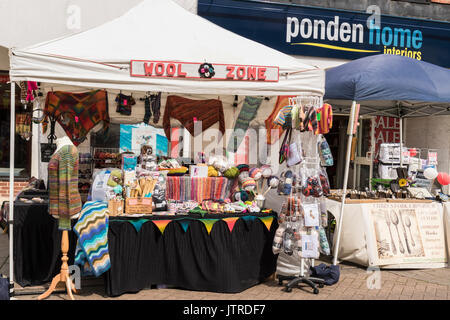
[[63, 276], [293, 281], [302, 278]]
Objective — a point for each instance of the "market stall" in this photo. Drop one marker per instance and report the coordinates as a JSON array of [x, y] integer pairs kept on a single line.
[[183, 62], [396, 86]]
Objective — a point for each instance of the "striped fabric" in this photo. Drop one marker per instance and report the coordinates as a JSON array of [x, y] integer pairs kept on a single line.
[[64, 198], [91, 229], [184, 188]]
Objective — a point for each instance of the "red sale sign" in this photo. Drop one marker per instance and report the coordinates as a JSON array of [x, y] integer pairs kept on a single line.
[[387, 130]]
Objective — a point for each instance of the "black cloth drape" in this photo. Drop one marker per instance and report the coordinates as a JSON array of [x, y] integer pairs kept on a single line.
[[37, 244], [222, 261]]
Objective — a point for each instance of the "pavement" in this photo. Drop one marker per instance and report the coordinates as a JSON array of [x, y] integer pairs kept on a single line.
[[355, 283]]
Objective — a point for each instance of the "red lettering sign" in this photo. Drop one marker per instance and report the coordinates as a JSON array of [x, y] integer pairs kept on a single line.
[[251, 73], [240, 73], [180, 73], [262, 73], [148, 69], [171, 69], [159, 69], [230, 74]]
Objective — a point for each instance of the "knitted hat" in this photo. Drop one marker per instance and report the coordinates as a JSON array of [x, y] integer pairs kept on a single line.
[[255, 173], [242, 167], [249, 184]]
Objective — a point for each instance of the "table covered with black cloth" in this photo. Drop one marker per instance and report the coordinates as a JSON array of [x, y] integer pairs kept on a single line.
[[222, 261], [37, 244]]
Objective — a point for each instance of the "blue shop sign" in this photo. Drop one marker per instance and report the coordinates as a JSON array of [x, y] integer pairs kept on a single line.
[[321, 32]]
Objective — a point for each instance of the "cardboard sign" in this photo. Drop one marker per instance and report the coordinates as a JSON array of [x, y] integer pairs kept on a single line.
[[206, 71]]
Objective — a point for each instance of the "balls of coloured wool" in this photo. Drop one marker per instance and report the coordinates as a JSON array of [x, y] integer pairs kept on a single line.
[[249, 184], [231, 173], [115, 178], [212, 172], [255, 173], [287, 184], [241, 195], [266, 171]]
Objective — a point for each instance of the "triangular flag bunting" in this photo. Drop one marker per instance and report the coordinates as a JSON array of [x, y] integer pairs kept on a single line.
[[138, 223], [161, 224], [267, 221], [184, 224], [248, 219], [209, 223], [230, 222]]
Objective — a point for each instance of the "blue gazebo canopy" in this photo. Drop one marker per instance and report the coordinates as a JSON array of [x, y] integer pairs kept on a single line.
[[383, 82]]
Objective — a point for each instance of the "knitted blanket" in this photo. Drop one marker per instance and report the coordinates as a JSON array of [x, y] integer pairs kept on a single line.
[[91, 229]]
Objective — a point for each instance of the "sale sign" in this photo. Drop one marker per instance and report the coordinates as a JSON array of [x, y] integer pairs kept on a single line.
[[211, 71], [387, 130]]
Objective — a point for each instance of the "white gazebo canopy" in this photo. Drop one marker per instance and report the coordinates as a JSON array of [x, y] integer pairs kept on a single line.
[[159, 30]]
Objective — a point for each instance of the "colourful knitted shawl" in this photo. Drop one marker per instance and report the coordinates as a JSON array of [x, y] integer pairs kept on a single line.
[[64, 198], [85, 110], [91, 229], [185, 188]]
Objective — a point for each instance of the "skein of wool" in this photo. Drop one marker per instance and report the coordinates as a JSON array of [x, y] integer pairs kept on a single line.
[[212, 172], [231, 173]]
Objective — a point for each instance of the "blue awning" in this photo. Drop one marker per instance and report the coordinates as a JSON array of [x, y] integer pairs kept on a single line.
[[388, 78]]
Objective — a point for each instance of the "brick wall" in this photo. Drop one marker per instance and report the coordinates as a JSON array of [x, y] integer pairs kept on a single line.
[[4, 189]]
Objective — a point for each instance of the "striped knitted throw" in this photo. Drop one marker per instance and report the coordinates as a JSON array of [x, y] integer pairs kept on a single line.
[[247, 114], [185, 188], [91, 229]]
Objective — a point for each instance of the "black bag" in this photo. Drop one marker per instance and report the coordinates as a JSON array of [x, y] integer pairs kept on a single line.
[[4, 288], [328, 273]]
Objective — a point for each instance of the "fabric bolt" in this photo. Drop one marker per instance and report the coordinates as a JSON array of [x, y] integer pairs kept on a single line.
[[269, 122], [187, 110], [65, 200], [86, 110], [92, 231], [247, 114]]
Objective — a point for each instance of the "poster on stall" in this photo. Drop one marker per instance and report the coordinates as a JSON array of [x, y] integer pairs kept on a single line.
[[134, 136], [405, 233]]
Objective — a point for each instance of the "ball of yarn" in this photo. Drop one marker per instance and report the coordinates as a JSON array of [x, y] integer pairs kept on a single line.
[[273, 182], [231, 173], [255, 173], [249, 184], [212, 172], [241, 195], [266, 171]]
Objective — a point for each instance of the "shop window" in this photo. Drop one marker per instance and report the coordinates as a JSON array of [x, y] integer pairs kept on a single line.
[[22, 155]]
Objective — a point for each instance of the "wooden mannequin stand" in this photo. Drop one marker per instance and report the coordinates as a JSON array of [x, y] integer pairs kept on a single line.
[[64, 275]]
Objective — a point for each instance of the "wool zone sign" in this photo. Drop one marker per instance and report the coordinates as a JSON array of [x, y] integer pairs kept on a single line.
[[387, 130], [210, 71]]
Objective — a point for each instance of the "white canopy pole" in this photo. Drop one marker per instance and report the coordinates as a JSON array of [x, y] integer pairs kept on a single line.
[[11, 186], [344, 193]]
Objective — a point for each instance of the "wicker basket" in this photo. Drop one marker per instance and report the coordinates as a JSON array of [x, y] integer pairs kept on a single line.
[[138, 205], [115, 207]]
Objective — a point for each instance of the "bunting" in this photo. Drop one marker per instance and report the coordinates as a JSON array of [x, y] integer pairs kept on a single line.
[[161, 224], [267, 221], [137, 224], [248, 219], [184, 223], [209, 223], [230, 222]]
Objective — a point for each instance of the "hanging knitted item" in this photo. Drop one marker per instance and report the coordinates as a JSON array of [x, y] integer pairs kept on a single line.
[[124, 104], [156, 106], [247, 114], [148, 111]]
